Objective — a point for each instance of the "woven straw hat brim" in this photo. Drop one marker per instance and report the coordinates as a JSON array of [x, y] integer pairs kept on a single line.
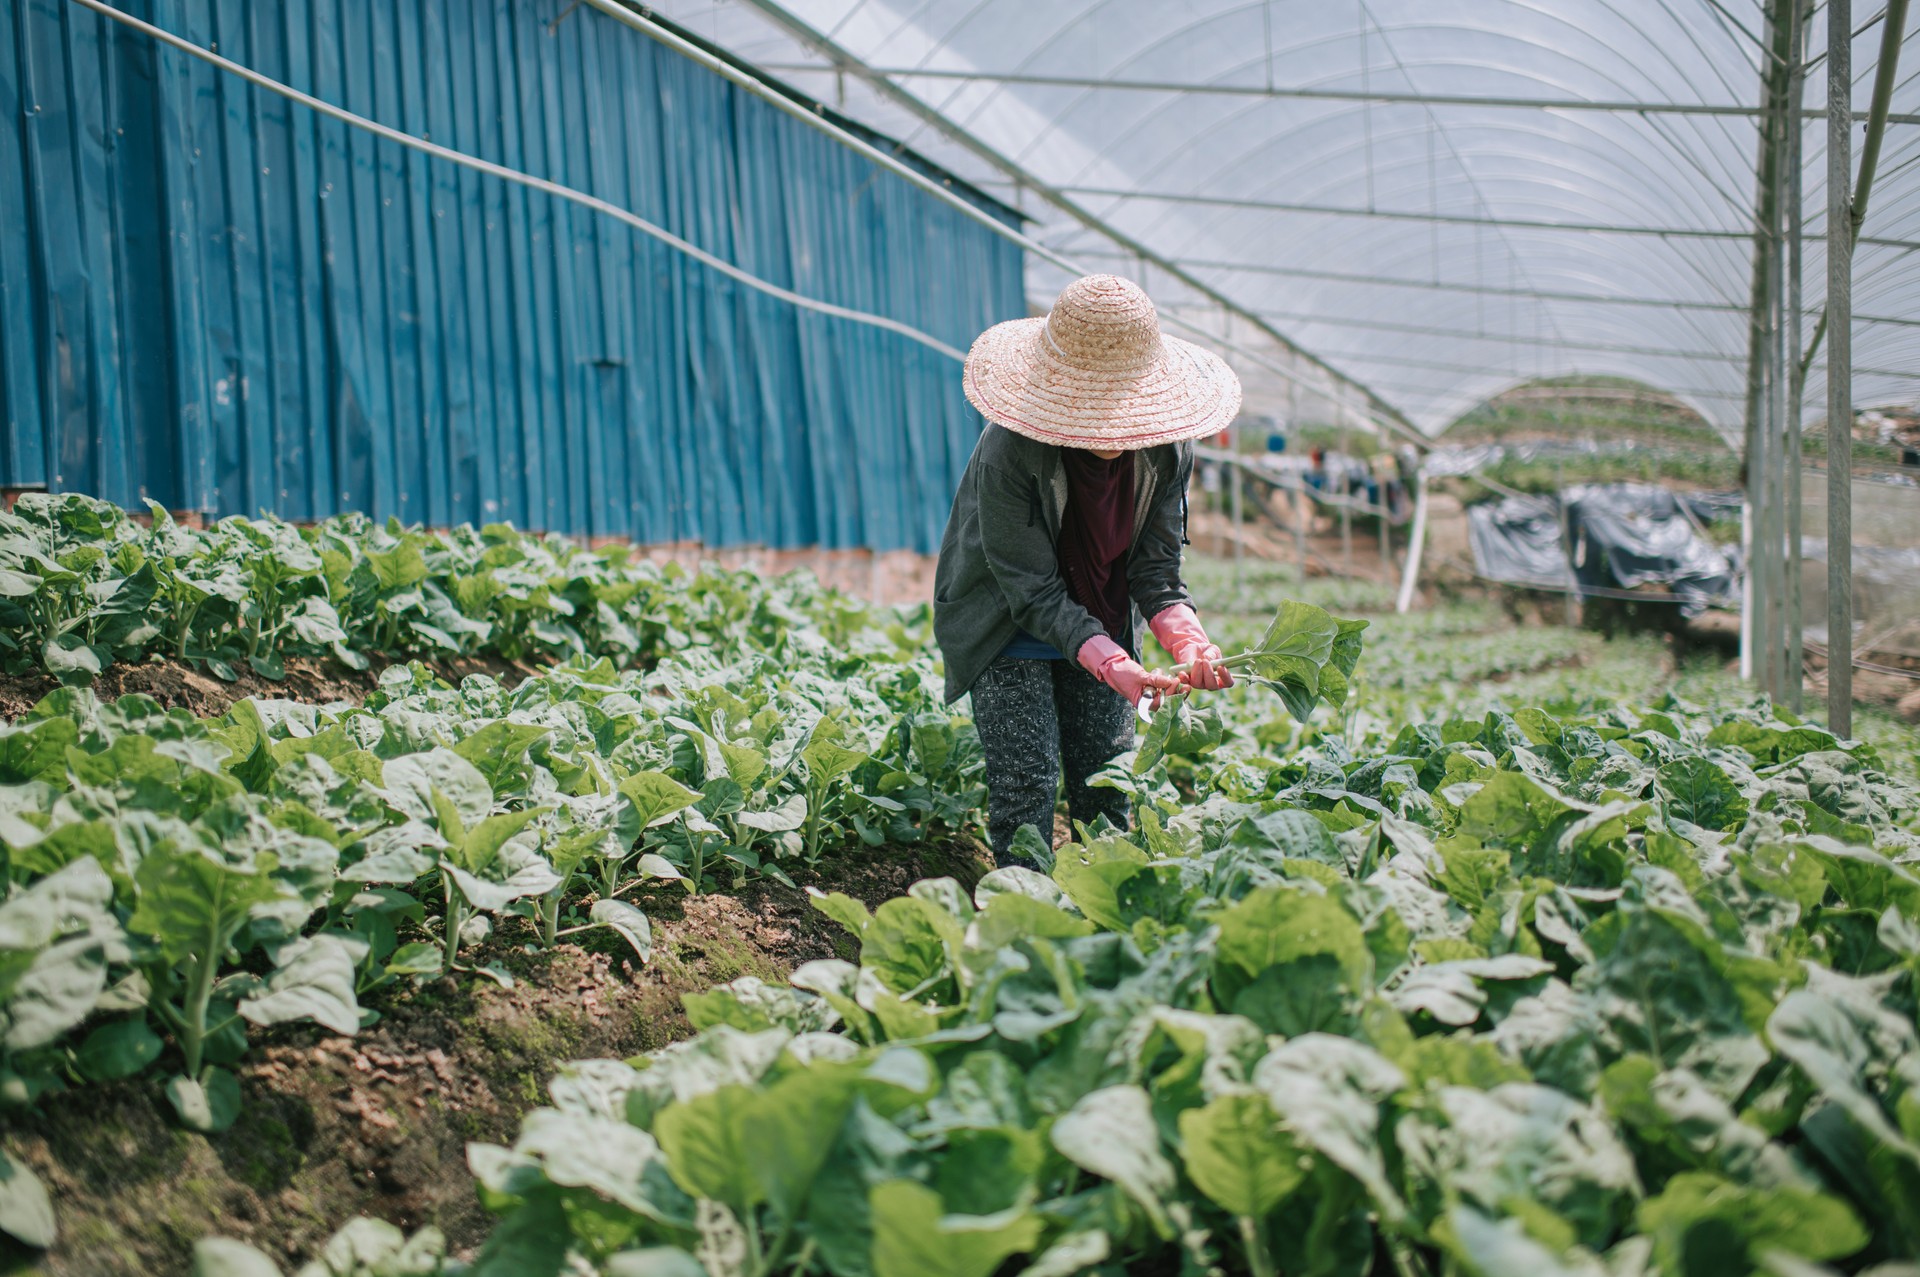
[[1016, 380]]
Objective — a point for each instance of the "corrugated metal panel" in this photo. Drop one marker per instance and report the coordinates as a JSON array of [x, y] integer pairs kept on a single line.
[[213, 298]]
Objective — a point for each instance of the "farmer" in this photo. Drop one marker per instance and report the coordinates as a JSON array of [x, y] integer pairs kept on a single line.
[[1066, 529]]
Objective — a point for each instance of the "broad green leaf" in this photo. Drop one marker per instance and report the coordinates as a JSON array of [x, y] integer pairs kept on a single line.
[[26, 1212], [914, 1237], [1111, 1132], [827, 761], [209, 1105], [498, 749], [224, 1257], [313, 979], [482, 845], [120, 1049], [1660, 987], [607, 1155], [516, 874], [1092, 875], [1328, 1091], [1501, 1248], [1279, 924], [32, 751], [790, 814], [1697, 790], [1703, 1224], [1237, 1153], [842, 908], [656, 796], [1511, 810], [752, 1006], [1011, 916], [909, 943], [412, 779], [628, 921], [654, 1261], [400, 567], [1521, 1141], [192, 903], [791, 1128], [705, 1140]]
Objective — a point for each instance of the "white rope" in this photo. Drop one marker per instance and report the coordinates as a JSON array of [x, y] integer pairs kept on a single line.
[[524, 179]]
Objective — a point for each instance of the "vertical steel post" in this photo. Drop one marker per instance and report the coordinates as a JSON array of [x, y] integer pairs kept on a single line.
[[1753, 524], [1781, 128], [1795, 657], [1300, 507], [1840, 367], [1346, 501], [1765, 399], [1566, 542]]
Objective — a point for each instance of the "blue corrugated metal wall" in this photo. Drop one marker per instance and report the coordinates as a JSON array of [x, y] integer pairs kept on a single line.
[[212, 297]]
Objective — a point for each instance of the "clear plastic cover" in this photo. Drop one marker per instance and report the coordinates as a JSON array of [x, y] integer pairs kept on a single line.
[[1353, 173]]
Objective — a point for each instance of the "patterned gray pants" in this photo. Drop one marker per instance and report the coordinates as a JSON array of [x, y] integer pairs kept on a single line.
[[1033, 716]]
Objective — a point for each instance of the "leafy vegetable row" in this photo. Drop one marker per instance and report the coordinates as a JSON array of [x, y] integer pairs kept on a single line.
[[1616, 991], [82, 585], [171, 882]]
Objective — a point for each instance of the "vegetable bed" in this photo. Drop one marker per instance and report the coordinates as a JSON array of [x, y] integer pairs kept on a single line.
[[1597, 989], [1479, 956]]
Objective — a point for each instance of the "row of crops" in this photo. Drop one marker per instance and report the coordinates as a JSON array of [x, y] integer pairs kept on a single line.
[[83, 585], [1622, 992], [1589, 988]]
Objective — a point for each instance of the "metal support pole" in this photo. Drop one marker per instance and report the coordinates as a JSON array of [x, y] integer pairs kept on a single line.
[[1300, 527], [1566, 543], [1346, 501], [1762, 625], [1410, 579], [1783, 16], [1791, 462], [1840, 366]]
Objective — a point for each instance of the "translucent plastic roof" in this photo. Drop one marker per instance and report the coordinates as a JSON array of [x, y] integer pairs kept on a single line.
[[1350, 173]]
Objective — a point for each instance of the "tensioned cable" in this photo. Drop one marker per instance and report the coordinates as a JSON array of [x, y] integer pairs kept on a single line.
[[594, 202]]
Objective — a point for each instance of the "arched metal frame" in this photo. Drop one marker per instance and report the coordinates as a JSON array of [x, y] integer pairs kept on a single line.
[[1619, 113]]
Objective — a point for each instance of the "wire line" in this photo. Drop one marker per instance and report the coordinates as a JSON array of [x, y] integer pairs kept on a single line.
[[594, 202]]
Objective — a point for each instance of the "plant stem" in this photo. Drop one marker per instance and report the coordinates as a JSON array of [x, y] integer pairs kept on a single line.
[[550, 913], [185, 631], [699, 859], [1253, 1235], [779, 1248], [454, 921], [193, 1038]]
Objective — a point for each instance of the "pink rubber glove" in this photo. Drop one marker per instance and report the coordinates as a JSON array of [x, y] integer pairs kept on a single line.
[[1178, 630], [1107, 661]]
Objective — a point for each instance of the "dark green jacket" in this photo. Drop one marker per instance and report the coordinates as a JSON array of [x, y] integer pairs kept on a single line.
[[999, 566]]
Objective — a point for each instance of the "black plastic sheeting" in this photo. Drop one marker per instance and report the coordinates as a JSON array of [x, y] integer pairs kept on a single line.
[[1620, 536], [1516, 540]]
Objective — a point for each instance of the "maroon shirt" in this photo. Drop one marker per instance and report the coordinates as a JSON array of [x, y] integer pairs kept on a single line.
[[1096, 532]]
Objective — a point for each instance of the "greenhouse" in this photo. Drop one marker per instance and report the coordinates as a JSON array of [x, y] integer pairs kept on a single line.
[[764, 638]]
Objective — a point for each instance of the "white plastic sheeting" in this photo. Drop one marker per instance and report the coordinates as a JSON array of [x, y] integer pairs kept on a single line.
[[1351, 173]]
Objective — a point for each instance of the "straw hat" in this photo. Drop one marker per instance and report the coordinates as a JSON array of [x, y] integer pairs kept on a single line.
[[1097, 373]]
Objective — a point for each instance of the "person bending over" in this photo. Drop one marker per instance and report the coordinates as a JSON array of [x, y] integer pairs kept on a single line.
[[1067, 529]]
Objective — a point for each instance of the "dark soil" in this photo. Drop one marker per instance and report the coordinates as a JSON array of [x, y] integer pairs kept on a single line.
[[175, 684], [378, 1123]]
